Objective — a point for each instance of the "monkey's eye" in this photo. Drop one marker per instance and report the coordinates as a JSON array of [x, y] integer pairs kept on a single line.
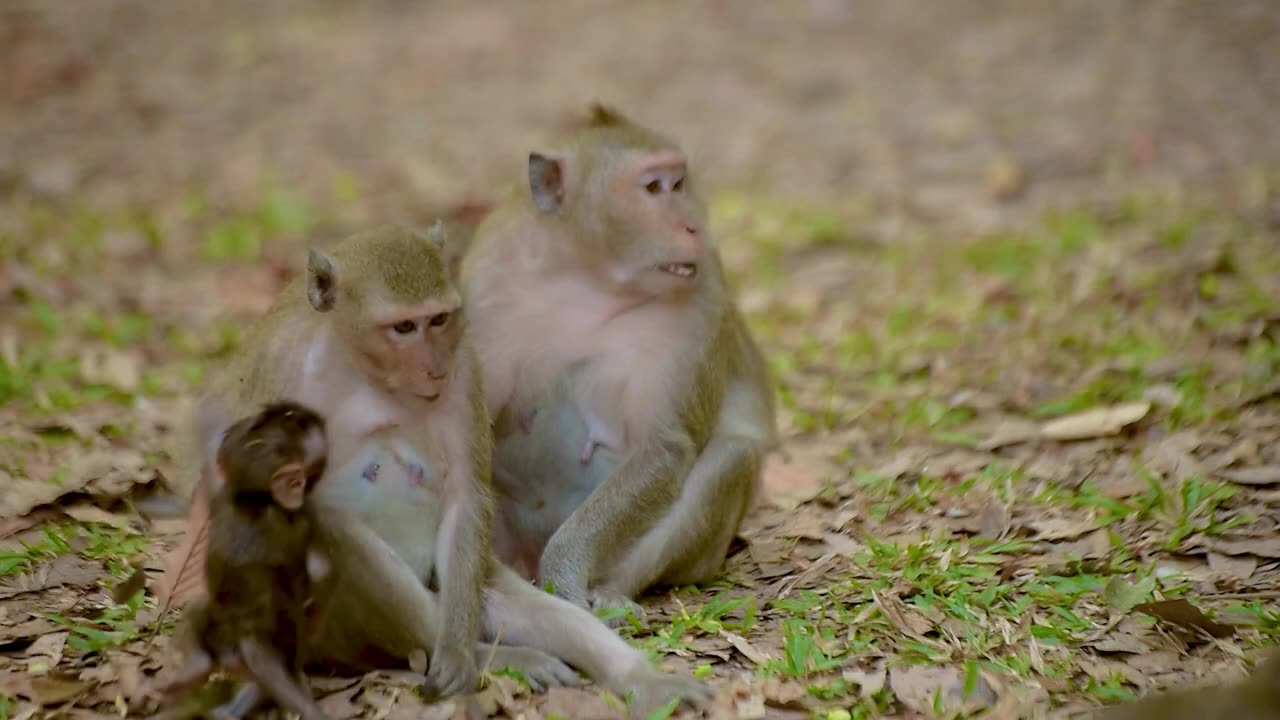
[[405, 327], [653, 187], [678, 186], [438, 320]]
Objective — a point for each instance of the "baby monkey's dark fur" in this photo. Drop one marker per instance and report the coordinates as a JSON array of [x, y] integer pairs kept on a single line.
[[261, 566]]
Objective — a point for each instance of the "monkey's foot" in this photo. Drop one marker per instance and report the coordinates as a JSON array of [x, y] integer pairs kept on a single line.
[[651, 689], [539, 669], [618, 605], [451, 672]]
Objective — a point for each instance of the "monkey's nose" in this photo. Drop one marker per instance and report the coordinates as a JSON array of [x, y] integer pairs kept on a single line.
[[432, 374], [691, 230]]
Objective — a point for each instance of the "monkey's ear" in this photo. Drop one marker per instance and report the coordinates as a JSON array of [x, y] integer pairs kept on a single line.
[[436, 234], [546, 181], [602, 115], [322, 281]]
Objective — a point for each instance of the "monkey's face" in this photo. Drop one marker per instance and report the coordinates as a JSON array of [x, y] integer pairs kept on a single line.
[[281, 450], [655, 226], [409, 349]]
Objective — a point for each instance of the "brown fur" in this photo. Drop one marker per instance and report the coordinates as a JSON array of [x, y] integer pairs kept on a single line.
[[609, 373]]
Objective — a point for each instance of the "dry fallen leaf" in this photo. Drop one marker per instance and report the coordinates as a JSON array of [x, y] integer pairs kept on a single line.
[[1010, 431], [1098, 422], [70, 569], [1059, 528], [183, 578], [1241, 567], [1183, 614], [121, 369], [789, 482], [1264, 475], [569, 702], [746, 648], [88, 512], [338, 702], [46, 652], [51, 689], [26, 630], [786, 694], [869, 682], [1268, 547], [903, 618], [916, 686]]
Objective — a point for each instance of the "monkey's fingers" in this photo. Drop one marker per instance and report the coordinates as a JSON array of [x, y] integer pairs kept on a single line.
[[619, 609], [539, 670], [651, 689]]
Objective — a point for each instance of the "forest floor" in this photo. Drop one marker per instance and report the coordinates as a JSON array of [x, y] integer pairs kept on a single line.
[[1016, 271]]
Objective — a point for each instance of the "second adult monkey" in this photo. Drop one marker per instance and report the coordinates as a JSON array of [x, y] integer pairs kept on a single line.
[[632, 409]]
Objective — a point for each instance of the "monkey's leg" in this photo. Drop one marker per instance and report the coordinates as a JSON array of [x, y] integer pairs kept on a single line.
[[246, 700], [688, 544], [269, 672], [529, 616], [635, 496], [383, 604], [197, 661]]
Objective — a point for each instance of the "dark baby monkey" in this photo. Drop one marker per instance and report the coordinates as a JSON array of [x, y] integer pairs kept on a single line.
[[262, 565]]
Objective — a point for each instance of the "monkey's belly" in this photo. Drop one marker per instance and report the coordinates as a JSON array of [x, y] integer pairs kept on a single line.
[[403, 505], [540, 475]]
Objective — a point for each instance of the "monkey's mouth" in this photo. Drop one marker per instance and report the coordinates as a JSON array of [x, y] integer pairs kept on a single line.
[[681, 270], [429, 398]]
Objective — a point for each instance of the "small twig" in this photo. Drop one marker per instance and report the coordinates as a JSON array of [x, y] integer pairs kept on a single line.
[[493, 648]]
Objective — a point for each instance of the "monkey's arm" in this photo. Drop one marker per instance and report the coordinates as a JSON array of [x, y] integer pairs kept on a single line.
[[638, 492], [462, 559]]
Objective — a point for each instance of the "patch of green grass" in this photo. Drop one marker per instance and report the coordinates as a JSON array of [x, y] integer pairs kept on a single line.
[[803, 651], [113, 627], [239, 236], [55, 540], [96, 541]]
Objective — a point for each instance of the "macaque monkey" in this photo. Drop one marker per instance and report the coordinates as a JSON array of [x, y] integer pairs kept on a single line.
[[261, 562], [632, 408], [1257, 697], [374, 337]]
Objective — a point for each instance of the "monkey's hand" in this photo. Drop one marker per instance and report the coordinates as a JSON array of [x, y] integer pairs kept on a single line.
[[451, 671], [616, 607], [563, 571], [651, 689]]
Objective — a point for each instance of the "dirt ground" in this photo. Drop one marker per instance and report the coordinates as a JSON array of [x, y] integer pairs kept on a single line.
[[1016, 266]]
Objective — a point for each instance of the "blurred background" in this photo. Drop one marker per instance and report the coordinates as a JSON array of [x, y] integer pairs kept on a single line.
[[918, 110]]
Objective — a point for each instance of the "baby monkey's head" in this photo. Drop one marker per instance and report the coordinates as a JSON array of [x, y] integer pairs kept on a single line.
[[274, 456]]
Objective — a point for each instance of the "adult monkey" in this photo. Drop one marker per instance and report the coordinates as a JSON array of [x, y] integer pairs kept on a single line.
[[373, 339], [632, 408]]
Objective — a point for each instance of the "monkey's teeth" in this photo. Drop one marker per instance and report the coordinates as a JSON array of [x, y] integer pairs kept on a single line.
[[684, 270]]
